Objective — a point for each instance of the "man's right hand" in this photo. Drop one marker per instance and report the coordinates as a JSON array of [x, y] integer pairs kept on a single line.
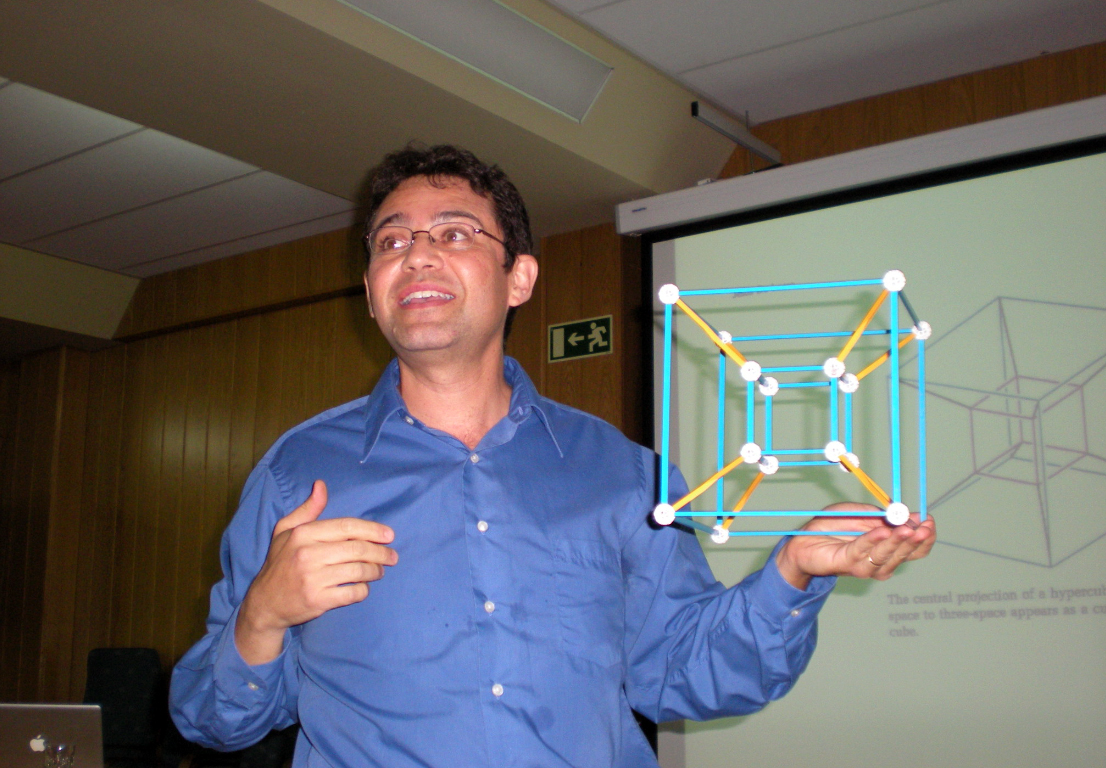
[[313, 566]]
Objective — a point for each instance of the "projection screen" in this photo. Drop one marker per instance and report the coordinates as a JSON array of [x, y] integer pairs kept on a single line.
[[992, 652]]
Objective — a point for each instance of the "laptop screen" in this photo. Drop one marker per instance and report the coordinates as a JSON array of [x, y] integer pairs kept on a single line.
[[27, 730]]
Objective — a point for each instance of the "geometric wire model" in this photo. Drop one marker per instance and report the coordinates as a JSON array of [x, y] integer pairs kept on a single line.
[[840, 385], [1018, 389]]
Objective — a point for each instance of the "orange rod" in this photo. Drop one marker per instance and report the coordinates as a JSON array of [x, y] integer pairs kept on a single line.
[[907, 337], [692, 495], [744, 499], [732, 353], [868, 482], [845, 350]]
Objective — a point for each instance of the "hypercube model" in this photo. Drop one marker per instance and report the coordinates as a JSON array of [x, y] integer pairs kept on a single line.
[[840, 385]]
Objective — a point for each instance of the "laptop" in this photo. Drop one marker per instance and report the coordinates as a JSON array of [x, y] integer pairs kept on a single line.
[[26, 728]]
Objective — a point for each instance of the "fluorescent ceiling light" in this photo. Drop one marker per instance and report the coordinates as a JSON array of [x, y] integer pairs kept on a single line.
[[502, 44]]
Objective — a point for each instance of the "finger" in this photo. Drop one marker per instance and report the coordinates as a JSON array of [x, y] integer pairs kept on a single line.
[[307, 512], [352, 573], [874, 549], [909, 544], [353, 551], [349, 528], [344, 594], [928, 533]]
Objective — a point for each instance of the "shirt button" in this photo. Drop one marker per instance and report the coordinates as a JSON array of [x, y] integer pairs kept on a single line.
[[409, 420], [474, 458], [252, 686], [489, 606], [795, 612], [482, 526], [497, 690]]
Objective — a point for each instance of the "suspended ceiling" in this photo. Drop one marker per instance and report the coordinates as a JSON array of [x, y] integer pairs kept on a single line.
[[140, 136]]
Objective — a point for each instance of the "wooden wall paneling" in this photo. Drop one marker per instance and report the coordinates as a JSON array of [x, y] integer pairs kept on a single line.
[[109, 494], [585, 277], [147, 480], [127, 529], [37, 479], [561, 301], [17, 523], [633, 333], [160, 511], [526, 342], [99, 499], [360, 351], [273, 361], [244, 402], [318, 369], [347, 357], [601, 291], [63, 541], [219, 495], [374, 353], [300, 362], [85, 564], [189, 521], [10, 374]]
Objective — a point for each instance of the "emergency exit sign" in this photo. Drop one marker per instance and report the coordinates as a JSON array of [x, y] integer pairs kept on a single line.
[[581, 338]]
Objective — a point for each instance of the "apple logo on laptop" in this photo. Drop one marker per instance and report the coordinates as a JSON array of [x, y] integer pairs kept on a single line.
[[38, 744]]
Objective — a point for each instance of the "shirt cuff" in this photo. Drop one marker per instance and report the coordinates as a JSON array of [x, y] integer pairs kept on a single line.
[[779, 602], [238, 681]]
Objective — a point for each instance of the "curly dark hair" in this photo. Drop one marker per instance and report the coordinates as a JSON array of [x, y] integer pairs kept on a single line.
[[443, 162]]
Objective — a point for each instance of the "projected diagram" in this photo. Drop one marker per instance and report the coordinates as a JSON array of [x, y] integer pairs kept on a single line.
[[832, 375], [1017, 398]]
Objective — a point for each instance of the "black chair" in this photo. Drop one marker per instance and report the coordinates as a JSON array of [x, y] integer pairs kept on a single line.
[[128, 685]]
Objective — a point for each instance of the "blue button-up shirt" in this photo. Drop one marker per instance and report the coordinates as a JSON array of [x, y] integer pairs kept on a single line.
[[532, 606]]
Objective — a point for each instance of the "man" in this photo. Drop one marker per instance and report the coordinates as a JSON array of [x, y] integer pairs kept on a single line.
[[528, 603]]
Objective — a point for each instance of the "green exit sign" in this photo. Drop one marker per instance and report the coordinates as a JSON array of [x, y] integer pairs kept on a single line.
[[581, 338]]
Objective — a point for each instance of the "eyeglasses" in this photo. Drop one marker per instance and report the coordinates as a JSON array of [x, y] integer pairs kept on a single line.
[[449, 236]]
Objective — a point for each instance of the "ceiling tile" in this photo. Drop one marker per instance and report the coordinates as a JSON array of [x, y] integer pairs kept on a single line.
[[677, 36], [895, 53], [250, 243], [37, 127], [132, 171], [245, 206]]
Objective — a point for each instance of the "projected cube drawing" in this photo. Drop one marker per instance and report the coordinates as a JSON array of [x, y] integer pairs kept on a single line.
[[1021, 427], [832, 375]]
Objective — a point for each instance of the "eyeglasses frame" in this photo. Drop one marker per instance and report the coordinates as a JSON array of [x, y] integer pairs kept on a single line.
[[367, 239]]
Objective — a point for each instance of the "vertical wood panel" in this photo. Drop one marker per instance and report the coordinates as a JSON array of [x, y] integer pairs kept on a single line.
[[244, 383], [44, 398], [126, 521], [148, 494], [10, 375], [201, 554], [63, 525]]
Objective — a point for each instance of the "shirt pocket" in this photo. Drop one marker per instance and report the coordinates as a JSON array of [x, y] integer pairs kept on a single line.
[[590, 600]]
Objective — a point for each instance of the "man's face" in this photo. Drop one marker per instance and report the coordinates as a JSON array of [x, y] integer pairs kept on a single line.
[[429, 300]]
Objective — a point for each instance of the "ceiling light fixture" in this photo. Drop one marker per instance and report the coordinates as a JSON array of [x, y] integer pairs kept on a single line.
[[734, 131], [502, 44]]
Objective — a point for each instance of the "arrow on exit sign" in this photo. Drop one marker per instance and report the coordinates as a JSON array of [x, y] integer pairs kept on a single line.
[[581, 338]]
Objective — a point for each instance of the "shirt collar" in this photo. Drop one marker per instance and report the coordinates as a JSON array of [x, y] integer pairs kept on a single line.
[[385, 401]]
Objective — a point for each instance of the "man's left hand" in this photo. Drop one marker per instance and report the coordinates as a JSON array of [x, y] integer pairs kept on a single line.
[[875, 555]]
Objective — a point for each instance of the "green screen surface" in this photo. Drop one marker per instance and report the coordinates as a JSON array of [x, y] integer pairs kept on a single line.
[[992, 651]]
